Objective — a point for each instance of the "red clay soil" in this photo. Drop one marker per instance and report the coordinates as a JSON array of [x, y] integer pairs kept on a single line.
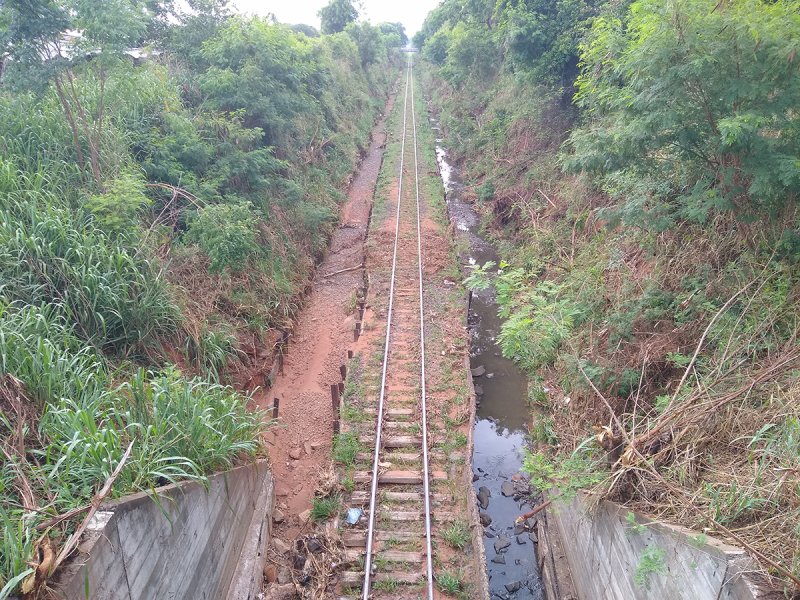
[[299, 446]]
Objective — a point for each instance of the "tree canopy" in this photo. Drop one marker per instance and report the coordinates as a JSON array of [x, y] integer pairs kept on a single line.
[[336, 15]]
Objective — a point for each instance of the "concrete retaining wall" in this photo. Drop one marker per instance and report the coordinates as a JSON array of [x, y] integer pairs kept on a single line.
[[605, 546], [192, 543]]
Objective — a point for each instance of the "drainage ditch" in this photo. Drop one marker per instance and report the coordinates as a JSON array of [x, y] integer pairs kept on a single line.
[[500, 434]]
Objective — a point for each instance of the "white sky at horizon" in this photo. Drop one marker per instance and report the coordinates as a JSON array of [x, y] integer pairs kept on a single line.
[[410, 13]]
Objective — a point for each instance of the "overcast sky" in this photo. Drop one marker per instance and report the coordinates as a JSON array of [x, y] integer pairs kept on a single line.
[[410, 13]]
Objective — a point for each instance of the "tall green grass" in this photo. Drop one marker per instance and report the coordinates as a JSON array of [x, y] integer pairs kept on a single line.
[[180, 428], [50, 254]]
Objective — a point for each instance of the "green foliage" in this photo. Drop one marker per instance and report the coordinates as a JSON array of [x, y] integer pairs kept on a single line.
[[696, 96], [336, 15], [651, 563], [117, 210], [234, 141], [537, 319], [325, 508], [634, 527], [395, 33], [345, 448], [733, 504], [51, 254], [457, 534], [369, 40], [569, 474], [227, 235], [480, 276], [181, 428], [486, 191], [450, 582], [210, 352]]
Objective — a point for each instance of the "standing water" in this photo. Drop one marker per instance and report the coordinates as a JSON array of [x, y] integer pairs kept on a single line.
[[502, 417]]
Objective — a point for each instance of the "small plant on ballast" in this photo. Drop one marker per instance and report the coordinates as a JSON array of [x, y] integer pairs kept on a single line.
[[457, 534], [325, 508], [450, 582]]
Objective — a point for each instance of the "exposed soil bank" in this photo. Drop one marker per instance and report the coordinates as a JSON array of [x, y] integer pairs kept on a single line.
[[299, 446]]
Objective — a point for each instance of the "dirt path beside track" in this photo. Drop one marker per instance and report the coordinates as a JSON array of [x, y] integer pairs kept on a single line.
[[299, 446]]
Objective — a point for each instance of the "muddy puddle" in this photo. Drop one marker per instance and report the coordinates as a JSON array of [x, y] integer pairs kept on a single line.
[[502, 416]]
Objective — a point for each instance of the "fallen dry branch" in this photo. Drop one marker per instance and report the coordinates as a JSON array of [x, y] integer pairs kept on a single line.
[[633, 460], [534, 512], [343, 271], [73, 540]]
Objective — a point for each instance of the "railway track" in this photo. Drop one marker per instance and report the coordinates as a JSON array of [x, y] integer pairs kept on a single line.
[[391, 554]]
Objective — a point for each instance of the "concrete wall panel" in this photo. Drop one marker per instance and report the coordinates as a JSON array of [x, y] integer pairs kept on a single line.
[[186, 544]]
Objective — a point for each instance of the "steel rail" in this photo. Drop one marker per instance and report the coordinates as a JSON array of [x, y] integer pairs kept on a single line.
[[423, 405], [382, 396]]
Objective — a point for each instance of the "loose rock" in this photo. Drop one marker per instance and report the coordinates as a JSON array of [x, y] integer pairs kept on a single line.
[[305, 516], [270, 573], [521, 540], [278, 516], [478, 371], [284, 576], [483, 497], [534, 537], [501, 543], [486, 520], [308, 448], [284, 591], [499, 560], [295, 454], [514, 586], [280, 547], [507, 489]]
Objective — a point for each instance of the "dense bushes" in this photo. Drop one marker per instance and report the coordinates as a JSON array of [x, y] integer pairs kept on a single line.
[[643, 163], [151, 212]]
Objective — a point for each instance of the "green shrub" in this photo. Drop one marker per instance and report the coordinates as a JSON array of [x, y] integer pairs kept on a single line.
[[117, 210], [227, 235]]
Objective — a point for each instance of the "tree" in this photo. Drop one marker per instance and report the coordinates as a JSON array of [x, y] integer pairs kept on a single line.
[[37, 41], [368, 39], [306, 30], [395, 32], [693, 107], [336, 15]]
